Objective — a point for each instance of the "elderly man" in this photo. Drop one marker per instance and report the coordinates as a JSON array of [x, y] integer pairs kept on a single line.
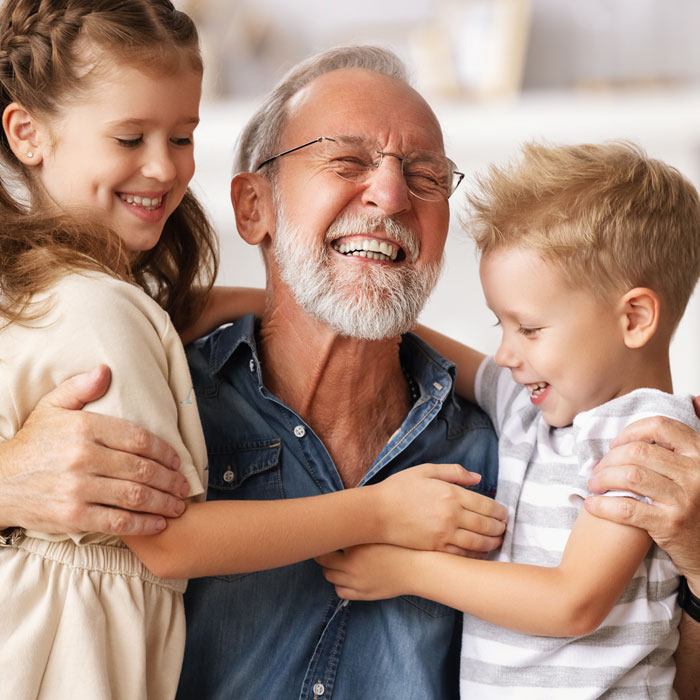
[[344, 184]]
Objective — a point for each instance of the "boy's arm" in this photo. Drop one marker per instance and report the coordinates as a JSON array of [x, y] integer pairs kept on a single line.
[[425, 507], [467, 359], [225, 304], [571, 599]]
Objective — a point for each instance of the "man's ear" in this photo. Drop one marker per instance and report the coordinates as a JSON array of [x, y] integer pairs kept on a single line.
[[251, 196], [22, 133], [640, 316]]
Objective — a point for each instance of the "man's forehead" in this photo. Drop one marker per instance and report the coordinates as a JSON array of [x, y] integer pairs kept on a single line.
[[359, 101]]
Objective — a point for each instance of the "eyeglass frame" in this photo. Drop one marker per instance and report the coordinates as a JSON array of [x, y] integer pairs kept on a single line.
[[400, 158]]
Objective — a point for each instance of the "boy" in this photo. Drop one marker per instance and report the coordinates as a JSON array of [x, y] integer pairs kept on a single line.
[[589, 255]]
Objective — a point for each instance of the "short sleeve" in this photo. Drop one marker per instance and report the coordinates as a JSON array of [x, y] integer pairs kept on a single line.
[[94, 319], [596, 428]]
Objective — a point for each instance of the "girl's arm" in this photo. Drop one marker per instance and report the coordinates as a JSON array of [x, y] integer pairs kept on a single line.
[[424, 507], [105, 320], [467, 359], [568, 600], [225, 304]]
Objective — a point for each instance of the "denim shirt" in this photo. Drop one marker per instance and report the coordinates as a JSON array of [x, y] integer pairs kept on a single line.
[[283, 633]]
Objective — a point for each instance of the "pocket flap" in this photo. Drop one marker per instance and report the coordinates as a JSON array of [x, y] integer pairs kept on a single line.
[[229, 469]]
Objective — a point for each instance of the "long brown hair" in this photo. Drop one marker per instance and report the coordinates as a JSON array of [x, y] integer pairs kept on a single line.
[[42, 66]]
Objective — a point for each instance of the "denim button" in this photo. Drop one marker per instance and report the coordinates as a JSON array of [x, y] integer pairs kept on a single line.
[[251, 364], [300, 431], [229, 476], [319, 689]]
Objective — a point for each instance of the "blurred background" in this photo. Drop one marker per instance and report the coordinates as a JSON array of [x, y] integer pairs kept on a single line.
[[497, 73]]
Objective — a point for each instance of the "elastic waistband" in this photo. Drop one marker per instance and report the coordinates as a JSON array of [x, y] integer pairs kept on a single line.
[[108, 559]]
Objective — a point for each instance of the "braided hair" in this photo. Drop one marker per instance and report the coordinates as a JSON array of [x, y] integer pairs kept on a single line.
[[50, 52]]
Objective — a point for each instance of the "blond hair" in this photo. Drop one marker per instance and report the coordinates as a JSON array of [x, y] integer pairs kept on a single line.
[[50, 52], [611, 217]]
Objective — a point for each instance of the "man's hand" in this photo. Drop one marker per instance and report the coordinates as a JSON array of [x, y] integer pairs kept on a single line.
[[427, 507], [658, 458], [72, 471]]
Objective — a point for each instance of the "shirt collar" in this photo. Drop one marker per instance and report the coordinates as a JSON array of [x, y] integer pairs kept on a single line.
[[227, 339], [434, 373]]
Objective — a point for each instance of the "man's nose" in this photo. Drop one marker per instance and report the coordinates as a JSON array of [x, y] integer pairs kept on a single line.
[[386, 187]]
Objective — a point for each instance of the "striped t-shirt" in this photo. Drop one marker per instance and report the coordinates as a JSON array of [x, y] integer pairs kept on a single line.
[[543, 475]]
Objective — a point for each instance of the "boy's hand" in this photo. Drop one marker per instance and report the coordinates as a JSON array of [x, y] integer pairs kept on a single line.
[[369, 571], [426, 507]]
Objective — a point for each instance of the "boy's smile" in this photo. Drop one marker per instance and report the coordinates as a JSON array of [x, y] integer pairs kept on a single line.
[[564, 343]]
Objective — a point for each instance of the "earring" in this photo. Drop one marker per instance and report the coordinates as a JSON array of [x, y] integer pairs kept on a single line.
[[30, 154]]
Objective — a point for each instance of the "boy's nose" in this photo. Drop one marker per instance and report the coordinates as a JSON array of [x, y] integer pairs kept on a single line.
[[505, 357]]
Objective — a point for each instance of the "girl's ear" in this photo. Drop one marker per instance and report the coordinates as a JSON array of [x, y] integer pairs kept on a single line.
[[251, 196], [640, 316], [22, 133]]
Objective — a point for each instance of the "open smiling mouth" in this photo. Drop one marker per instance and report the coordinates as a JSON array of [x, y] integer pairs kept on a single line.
[[537, 388], [147, 203], [370, 248]]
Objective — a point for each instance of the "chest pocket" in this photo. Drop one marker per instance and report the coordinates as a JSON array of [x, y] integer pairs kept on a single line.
[[249, 470]]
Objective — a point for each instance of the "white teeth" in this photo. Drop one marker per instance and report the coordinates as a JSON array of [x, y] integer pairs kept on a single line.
[[149, 203], [537, 388], [368, 248]]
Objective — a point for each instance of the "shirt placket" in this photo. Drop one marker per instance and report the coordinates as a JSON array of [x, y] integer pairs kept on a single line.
[[319, 681]]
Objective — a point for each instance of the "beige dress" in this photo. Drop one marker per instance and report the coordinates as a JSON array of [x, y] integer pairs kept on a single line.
[[81, 616]]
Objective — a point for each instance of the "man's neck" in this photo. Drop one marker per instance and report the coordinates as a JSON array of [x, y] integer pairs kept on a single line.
[[351, 392]]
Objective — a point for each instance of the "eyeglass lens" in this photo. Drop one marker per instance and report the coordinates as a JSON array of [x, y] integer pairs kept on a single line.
[[428, 176]]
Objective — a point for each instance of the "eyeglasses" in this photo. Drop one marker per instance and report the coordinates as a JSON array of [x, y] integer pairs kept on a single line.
[[429, 176]]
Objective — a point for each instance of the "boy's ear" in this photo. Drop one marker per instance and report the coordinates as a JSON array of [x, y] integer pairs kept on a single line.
[[640, 316], [251, 196], [22, 133]]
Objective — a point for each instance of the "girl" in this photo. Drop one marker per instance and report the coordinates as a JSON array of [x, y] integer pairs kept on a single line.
[[99, 241]]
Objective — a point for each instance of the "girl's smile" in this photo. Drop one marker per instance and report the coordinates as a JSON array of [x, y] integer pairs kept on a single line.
[[125, 153]]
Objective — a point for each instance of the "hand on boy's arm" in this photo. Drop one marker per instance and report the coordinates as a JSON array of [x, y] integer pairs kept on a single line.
[[426, 507], [658, 458], [71, 471]]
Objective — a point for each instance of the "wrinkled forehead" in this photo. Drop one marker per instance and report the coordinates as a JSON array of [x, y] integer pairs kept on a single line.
[[358, 102]]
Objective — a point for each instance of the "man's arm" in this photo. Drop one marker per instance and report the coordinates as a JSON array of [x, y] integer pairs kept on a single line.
[[70, 471], [687, 683], [660, 458]]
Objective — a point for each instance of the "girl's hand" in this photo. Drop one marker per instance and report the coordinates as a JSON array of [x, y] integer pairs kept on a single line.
[[369, 571], [427, 507]]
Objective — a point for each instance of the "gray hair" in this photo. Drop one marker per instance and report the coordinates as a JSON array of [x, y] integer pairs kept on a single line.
[[260, 138]]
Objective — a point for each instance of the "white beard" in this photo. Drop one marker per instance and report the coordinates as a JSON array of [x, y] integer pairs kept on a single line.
[[366, 301]]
